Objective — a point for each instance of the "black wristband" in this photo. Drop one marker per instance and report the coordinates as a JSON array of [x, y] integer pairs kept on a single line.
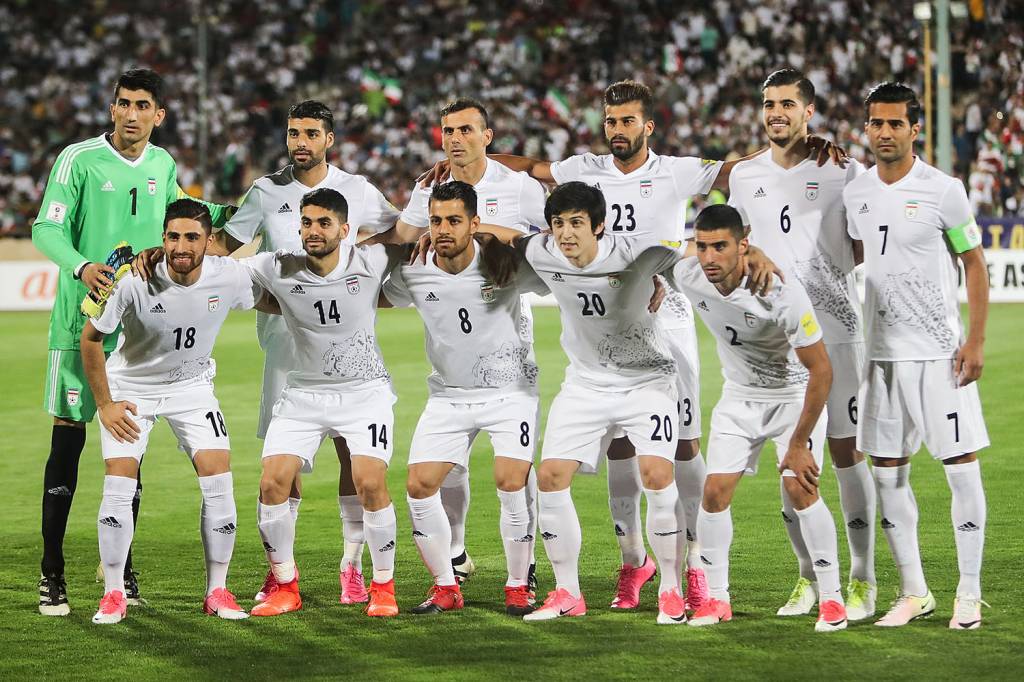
[[77, 274]]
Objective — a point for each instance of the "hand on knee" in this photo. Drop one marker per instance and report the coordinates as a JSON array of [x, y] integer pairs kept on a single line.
[[800, 498]]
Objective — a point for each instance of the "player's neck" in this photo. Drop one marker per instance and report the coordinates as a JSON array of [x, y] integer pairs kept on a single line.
[[789, 155], [731, 283], [187, 279], [633, 162], [894, 171], [585, 258], [311, 177], [321, 267], [128, 151], [472, 173], [457, 264]]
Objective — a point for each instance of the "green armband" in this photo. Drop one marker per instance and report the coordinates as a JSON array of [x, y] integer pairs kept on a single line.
[[965, 237]]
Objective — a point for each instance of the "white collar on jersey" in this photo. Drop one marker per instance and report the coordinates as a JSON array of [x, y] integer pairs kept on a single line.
[[444, 273], [331, 171]]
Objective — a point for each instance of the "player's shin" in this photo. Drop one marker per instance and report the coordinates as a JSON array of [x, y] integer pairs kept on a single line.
[[516, 535], [115, 529], [819, 533], [59, 482], [791, 520], [663, 530], [562, 538], [968, 513], [624, 491], [352, 532], [455, 499], [690, 475], [532, 510], [433, 536], [715, 531], [381, 530], [218, 522], [857, 499], [277, 530], [899, 522]]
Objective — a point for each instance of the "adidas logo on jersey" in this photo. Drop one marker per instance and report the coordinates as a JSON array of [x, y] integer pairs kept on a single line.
[[703, 305], [227, 529], [760, 193], [431, 296], [388, 547], [557, 277], [110, 521], [297, 289], [60, 491], [285, 208], [968, 527], [863, 209], [158, 308], [108, 186]]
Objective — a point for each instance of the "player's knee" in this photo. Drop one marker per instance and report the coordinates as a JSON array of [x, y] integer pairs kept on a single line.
[[798, 496], [274, 487], [844, 452], [716, 496], [510, 481], [550, 480], [372, 490], [418, 488]]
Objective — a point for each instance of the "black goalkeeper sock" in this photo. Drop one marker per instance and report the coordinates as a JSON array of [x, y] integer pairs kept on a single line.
[[59, 481]]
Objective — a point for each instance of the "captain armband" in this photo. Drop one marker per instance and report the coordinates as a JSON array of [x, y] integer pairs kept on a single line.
[[965, 237]]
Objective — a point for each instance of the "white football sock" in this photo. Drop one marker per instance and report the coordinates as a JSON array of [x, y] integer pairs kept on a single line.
[[562, 538], [455, 499], [663, 531], [819, 531], [531, 508], [516, 535], [352, 535], [857, 499], [293, 507], [277, 529], [796, 539], [381, 528], [968, 513], [624, 490], [899, 522], [217, 524], [116, 528], [690, 475], [433, 536], [715, 532]]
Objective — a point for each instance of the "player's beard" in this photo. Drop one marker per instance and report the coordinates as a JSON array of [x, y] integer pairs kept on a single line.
[[629, 151], [183, 268], [312, 162], [784, 139], [320, 249], [450, 248]]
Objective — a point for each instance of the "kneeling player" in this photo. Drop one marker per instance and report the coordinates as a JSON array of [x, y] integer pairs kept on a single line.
[[777, 379], [163, 368], [484, 379]]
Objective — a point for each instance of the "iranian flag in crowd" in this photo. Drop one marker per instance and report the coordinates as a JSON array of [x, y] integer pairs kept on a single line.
[[557, 103]]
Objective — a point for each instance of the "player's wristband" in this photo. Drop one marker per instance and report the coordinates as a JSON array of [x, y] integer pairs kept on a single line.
[[77, 272], [965, 237]]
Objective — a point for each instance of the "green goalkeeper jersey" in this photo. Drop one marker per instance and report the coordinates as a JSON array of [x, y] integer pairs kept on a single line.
[[94, 199]]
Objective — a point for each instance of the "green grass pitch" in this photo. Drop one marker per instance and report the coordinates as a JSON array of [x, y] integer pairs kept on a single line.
[[171, 637]]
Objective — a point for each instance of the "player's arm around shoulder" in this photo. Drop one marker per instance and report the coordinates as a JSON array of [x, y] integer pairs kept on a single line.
[[535, 168]]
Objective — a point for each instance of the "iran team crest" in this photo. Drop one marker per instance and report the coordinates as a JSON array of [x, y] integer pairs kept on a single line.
[[811, 191], [73, 394], [910, 210], [487, 292], [491, 206], [646, 188], [212, 303], [151, 186], [750, 319], [614, 281], [353, 285]]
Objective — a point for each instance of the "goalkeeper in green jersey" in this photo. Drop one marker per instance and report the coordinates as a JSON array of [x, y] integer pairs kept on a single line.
[[102, 191]]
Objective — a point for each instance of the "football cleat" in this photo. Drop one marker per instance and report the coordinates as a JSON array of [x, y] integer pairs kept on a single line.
[[519, 600], [282, 598], [558, 605], [113, 608], [860, 600], [441, 598], [382, 600], [131, 589], [831, 616], [696, 589], [801, 600], [53, 596], [268, 585], [463, 567], [120, 259], [715, 611], [627, 593], [966, 613], [906, 608], [353, 586], [671, 608], [222, 604]]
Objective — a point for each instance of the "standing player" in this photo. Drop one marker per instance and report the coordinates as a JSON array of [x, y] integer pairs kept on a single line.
[[338, 387], [505, 198], [162, 369], [920, 377], [101, 191], [777, 379], [794, 210], [269, 210], [484, 378]]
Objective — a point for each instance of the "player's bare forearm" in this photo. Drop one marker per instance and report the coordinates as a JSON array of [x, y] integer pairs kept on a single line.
[[535, 168], [858, 251], [506, 235], [970, 357], [760, 269], [223, 244], [400, 233], [267, 303], [94, 362], [815, 359]]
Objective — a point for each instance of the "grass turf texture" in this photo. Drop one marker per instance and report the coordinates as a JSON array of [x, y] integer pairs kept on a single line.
[[172, 637]]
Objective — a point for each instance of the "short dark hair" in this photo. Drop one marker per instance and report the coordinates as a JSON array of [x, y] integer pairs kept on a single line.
[[576, 196], [627, 91], [328, 198], [189, 209], [449, 191], [892, 92], [142, 79], [720, 217], [311, 108], [463, 103], [789, 76]]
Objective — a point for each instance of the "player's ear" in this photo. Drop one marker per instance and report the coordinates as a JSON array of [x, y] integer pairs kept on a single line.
[[649, 127], [330, 139], [488, 136], [159, 117], [599, 229], [915, 130], [112, 104], [344, 230], [474, 224]]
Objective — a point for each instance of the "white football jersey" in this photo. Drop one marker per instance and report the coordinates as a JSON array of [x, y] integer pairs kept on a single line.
[[910, 305], [331, 319], [169, 329], [271, 209], [797, 217], [756, 335], [648, 203], [472, 329], [503, 197], [613, 342]]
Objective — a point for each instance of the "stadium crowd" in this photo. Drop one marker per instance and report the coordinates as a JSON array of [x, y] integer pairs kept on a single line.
[[386, 68]]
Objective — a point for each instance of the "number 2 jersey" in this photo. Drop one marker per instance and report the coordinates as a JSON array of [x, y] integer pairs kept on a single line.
[[613, 342], [331, 318], [168, 330]]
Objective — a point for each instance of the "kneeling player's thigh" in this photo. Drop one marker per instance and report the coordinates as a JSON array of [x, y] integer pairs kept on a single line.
[[512, 425], [736, 436], [578, 426], [366, 420], [847, 368], [443, 433], [786, 419], [197, 422], [111, 448], [953, 421], [296, 427], [648, 416]]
